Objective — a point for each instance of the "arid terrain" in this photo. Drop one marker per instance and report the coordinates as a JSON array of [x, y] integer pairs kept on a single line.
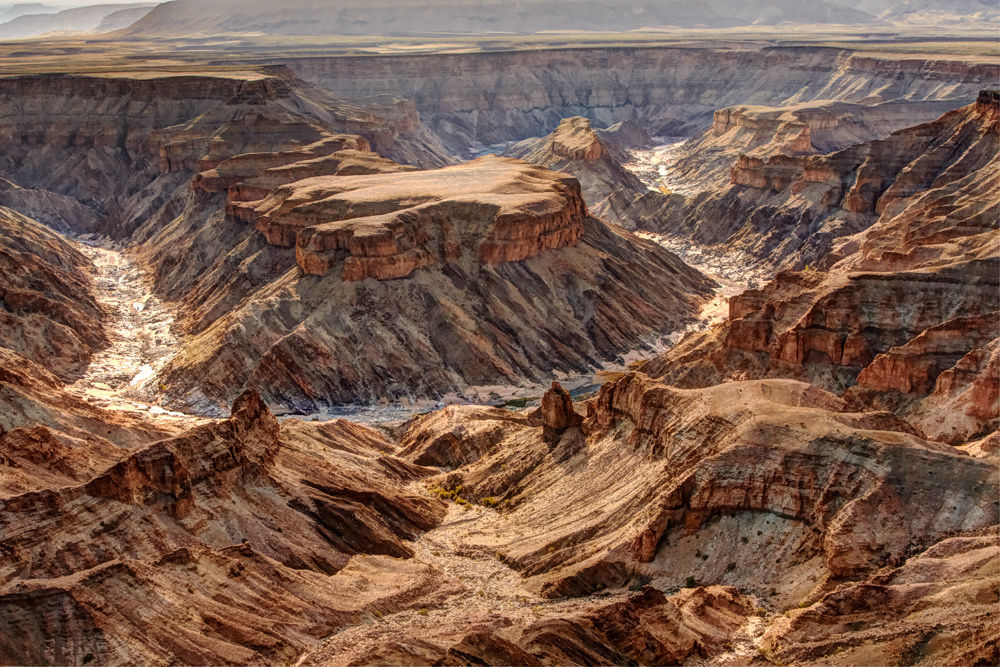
[[439, 333]]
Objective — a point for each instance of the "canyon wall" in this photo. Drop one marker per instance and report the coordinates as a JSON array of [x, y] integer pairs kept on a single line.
[[494, 97]]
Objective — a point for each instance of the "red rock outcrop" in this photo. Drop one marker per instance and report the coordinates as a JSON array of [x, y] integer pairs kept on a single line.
[[938, 607], [919, 186], [308, 340], [222, 540], [557, 412]]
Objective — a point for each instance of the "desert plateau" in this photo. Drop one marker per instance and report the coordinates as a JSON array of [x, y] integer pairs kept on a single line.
[[536, 333]]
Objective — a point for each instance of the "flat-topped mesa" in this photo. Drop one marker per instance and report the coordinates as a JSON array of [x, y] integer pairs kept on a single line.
[[385, 226], [820, 127], [346, 162], [243, 166], [576, 140], [867, 177]]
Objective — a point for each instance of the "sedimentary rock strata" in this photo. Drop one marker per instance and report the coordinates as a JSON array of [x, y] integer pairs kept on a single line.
[[495, 210], [307, 340], [489, 98], [49, 314], [792, 211]]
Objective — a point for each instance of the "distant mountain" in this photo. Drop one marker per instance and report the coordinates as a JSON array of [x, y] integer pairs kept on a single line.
[[310, 17], [92, 18], [929, 11], [9, 12]]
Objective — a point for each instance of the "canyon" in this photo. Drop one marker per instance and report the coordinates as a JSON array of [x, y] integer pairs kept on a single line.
[[685, 352]]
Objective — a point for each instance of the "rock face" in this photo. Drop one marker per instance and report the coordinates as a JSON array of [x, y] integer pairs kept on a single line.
[[495, 210], [575, 148], [787, 212], [125, 144], [49, 314], [938, 605], [907, 301]]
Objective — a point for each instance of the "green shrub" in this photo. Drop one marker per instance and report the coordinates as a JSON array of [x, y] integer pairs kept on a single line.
[[691, 582]]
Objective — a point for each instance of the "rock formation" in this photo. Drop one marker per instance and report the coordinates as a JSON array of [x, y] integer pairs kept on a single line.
[[909, 300], [153, 557], [575, 148], [801, 129], [811, 504], [814, 480], [406, 283], [557, 412], [124, 145], [791, 211], [497, 210]]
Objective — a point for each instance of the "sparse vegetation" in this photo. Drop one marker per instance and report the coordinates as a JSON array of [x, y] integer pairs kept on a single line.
[[730, 567], [423, 611], [691, 582]]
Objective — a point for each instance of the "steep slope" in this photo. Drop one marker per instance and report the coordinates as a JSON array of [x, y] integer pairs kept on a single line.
[[800, 129], [408, 284], [48, 312], [791, 211], [772, 486], [125, 144]]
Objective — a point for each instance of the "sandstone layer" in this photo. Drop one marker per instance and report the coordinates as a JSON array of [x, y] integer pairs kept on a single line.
[[814, 507], [906, 308], [123, 144], [152, 558], [809, 128]]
